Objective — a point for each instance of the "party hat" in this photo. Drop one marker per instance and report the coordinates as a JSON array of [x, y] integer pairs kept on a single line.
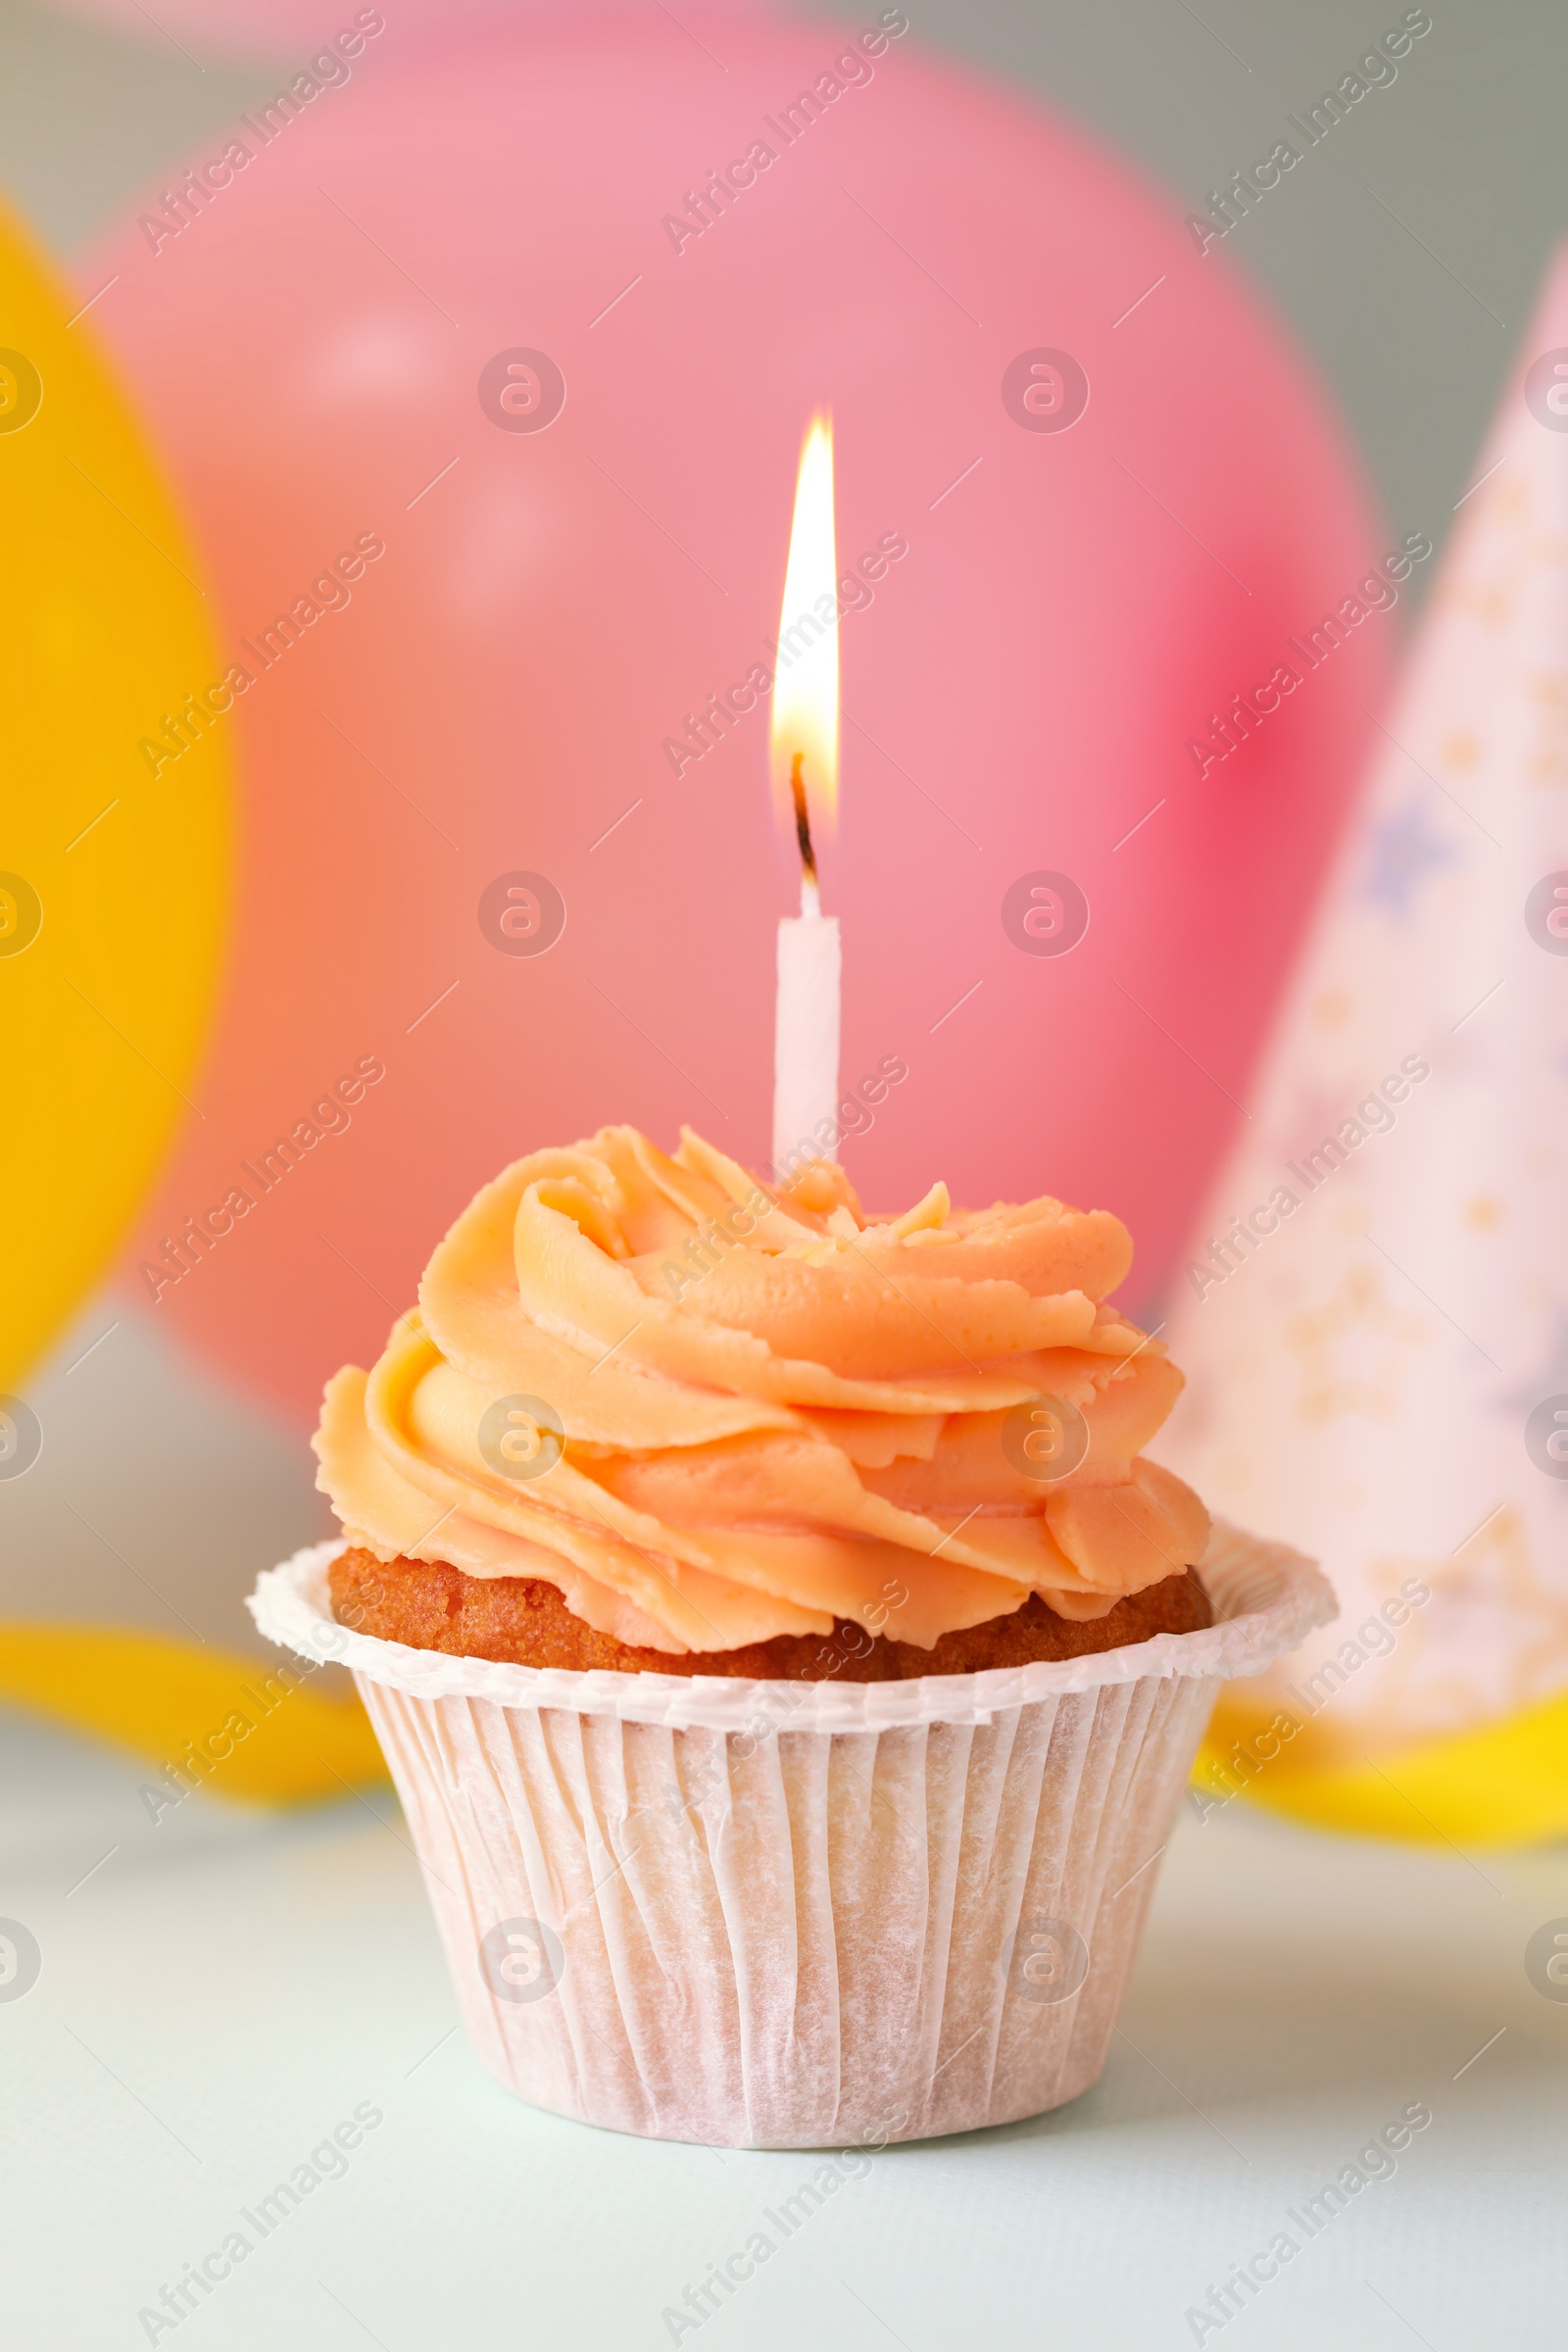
[[1374, 1318]]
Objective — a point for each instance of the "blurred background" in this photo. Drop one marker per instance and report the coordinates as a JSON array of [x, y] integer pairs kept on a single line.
[[1272, 411]]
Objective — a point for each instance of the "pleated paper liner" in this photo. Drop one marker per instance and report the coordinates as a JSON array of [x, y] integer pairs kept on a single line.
[[799, 1915]]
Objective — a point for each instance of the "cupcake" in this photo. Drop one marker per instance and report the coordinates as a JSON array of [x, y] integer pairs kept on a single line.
[[786, 1654]]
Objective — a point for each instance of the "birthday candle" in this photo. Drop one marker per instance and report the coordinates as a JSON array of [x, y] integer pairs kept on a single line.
[[804, 759]]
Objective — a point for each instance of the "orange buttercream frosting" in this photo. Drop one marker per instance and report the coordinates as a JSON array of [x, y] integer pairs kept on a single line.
[[711, 1410]]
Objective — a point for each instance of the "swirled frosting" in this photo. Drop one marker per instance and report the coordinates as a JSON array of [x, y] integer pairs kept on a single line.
[[711, 1410]]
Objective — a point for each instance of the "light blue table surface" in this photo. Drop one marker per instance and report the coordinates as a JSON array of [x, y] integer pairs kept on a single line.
[[218, 1991]]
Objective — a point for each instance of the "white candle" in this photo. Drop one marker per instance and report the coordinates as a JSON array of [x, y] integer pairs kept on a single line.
[[805, 1039], [805, 757]]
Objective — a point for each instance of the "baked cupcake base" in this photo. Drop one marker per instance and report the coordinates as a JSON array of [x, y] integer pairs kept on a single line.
[[525, 1621], [803, 1914]]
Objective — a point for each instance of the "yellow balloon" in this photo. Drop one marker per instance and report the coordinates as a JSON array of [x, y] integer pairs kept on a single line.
[[250, 1729], [114, 884], [1498, 1783]]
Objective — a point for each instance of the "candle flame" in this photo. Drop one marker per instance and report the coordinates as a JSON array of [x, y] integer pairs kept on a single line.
[[805, 743]]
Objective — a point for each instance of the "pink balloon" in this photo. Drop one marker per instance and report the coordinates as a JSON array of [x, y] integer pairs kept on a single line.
[[331, 350]]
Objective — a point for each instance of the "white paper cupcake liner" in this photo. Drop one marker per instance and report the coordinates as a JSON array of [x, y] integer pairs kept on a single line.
[[787, 1915]]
